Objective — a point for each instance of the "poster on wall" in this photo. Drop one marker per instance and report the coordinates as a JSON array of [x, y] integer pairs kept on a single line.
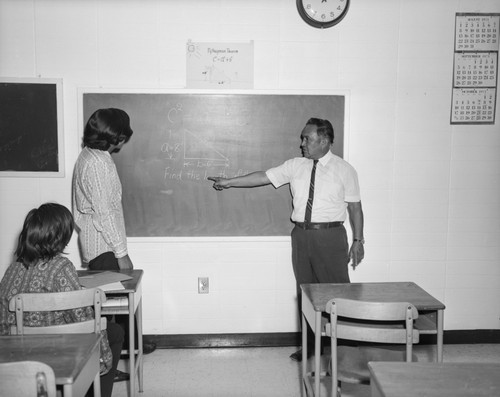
[[475, 68], [219, 65]]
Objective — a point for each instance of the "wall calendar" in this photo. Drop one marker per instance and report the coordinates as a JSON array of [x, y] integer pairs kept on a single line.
[[475, 68]]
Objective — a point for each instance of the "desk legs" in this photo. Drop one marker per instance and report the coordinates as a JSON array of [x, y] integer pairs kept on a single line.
[[97, 383], [317, 352], [131, 343], [89, 374], [440, 316], [140, 358], [304, 351], [135, 361], [313, 318], [68, 390]]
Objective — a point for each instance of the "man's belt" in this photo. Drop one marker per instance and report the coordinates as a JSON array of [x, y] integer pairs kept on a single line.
[[316, 226]]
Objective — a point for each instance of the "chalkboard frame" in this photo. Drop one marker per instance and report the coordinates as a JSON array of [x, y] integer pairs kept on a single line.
[[57, 83], [344, 141]]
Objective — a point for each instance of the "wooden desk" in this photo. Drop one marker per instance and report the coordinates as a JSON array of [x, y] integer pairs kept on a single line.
[[133, 292], [73, 357], [315, 297], [434, 379]]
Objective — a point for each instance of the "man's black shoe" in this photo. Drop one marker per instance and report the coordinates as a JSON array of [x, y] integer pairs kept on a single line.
[[297, 356], [120, 376], [148, 347]]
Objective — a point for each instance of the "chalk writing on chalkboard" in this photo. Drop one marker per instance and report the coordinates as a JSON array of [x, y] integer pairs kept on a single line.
[[30, 128], [182, 138]]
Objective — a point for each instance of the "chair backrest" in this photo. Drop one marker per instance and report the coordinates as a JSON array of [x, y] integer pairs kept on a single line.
[[383, 322], [21, 378], [58, 301], [379, 322]]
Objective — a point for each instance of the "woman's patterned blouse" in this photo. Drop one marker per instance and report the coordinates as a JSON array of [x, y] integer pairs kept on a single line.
[[55, 275]]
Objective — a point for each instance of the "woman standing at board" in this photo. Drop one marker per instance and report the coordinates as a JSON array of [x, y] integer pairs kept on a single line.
[[97, 196], [97, 192]]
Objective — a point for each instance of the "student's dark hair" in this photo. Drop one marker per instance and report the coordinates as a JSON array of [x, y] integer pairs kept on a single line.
[[324, 128], [107, 127], [46, 232]]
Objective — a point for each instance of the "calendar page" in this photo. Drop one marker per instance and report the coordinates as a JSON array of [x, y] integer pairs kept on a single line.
[[477, 32], [477, 69], [473, 105]]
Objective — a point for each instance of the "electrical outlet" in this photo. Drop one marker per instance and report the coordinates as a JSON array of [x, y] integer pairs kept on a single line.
[[203, 285]]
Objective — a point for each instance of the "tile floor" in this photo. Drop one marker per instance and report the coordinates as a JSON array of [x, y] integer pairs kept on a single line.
[[256, 372]]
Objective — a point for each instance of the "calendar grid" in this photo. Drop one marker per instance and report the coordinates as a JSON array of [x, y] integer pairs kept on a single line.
[[475, 68]]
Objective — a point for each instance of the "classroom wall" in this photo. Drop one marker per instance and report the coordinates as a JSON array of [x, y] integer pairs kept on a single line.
[[430, 190]]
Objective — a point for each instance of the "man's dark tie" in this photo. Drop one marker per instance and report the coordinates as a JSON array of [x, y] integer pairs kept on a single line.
[[309, 205]]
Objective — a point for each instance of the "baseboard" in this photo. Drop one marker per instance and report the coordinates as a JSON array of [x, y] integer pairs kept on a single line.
[[281, 339], [182, 341], [472, 336]]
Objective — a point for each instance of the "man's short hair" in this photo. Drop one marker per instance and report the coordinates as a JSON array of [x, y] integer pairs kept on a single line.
[[324, 128], [107, 127]]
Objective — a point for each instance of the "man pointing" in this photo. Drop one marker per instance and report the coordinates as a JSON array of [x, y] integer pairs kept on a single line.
[[324, 189]]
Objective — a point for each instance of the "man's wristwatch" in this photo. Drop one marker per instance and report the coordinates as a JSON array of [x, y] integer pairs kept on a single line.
[[360, 240]]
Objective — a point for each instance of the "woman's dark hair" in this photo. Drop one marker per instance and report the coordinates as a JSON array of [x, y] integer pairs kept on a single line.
[[46, 232], [107, 127], [324, 128]]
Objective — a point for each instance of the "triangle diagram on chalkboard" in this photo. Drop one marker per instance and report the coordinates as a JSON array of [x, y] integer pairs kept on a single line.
[[196, 148]]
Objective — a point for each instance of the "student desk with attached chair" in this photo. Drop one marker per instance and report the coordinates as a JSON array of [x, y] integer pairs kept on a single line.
[[316, 296]]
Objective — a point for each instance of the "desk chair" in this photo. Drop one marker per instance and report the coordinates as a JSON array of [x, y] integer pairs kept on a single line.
[[20, 378], [373, 322], [58, 301]]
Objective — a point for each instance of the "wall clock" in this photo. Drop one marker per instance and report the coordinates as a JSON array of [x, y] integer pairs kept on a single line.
[[322, 13]]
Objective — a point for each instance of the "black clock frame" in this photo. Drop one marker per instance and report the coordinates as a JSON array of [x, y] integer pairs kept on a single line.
[[318, 24]]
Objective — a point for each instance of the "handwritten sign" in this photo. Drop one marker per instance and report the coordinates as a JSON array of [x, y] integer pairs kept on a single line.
[[219, 65]]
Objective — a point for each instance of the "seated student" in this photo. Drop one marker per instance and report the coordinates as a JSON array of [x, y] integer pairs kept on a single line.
[[40, 267]]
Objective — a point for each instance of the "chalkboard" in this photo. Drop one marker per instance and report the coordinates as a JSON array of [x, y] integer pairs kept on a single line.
[[31, 128], [181, 138]]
